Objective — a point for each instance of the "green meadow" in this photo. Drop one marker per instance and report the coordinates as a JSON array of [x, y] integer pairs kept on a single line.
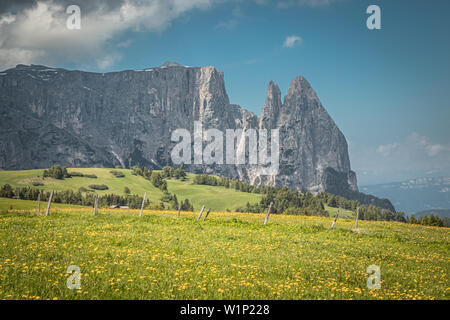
[[227, 256]]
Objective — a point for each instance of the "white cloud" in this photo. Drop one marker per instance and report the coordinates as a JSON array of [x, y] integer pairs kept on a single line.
[[387, 149], [430, 148], [38, 34], [125, 43], [7, 19], [291, 41], [435, 149], [411, 157], [35, 30], [108, 60]]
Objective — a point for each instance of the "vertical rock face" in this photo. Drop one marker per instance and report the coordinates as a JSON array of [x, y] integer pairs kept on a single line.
[[310, 141], [83, 119], [272, 106]]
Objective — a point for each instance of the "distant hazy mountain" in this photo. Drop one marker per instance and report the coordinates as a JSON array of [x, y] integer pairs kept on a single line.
[[442, 213], [415, 195]]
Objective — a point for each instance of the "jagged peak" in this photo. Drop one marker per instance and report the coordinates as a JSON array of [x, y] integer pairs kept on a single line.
[[272, 86], [272, 105], [273, 94], [298, 88], [299, 83]]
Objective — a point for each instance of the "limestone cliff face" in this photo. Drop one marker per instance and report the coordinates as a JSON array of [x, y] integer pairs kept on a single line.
[[310, 140], [82, 119]]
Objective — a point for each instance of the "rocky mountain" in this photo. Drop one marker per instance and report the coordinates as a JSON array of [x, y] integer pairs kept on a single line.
[[86, 119]]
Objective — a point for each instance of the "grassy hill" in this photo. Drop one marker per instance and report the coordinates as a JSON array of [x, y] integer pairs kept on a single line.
[[228, 256], [345, 214], [215, 197]]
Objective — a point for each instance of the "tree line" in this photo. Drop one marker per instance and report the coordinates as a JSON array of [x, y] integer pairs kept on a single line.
[[87, 198], [431, 220], [157, 179], [295, 202]]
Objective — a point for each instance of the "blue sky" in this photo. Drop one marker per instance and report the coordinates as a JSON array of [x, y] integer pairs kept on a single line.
[[388, 90]]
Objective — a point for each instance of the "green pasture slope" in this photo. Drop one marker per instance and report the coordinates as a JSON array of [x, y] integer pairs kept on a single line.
[[214, 197], [227, 256]]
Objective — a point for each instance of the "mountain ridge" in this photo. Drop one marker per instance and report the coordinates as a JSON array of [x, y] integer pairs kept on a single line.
[[87, 119]]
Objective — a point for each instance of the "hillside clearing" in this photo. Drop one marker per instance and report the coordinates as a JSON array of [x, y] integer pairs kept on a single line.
[[217, 198]]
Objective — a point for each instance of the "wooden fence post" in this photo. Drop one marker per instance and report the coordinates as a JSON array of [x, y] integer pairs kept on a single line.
[[179, 209], [268, 213], [49, 202], [335, 219], [95, 204], [206, 216], [143, 201], [39, 203], [357, 216], [201, 212]]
